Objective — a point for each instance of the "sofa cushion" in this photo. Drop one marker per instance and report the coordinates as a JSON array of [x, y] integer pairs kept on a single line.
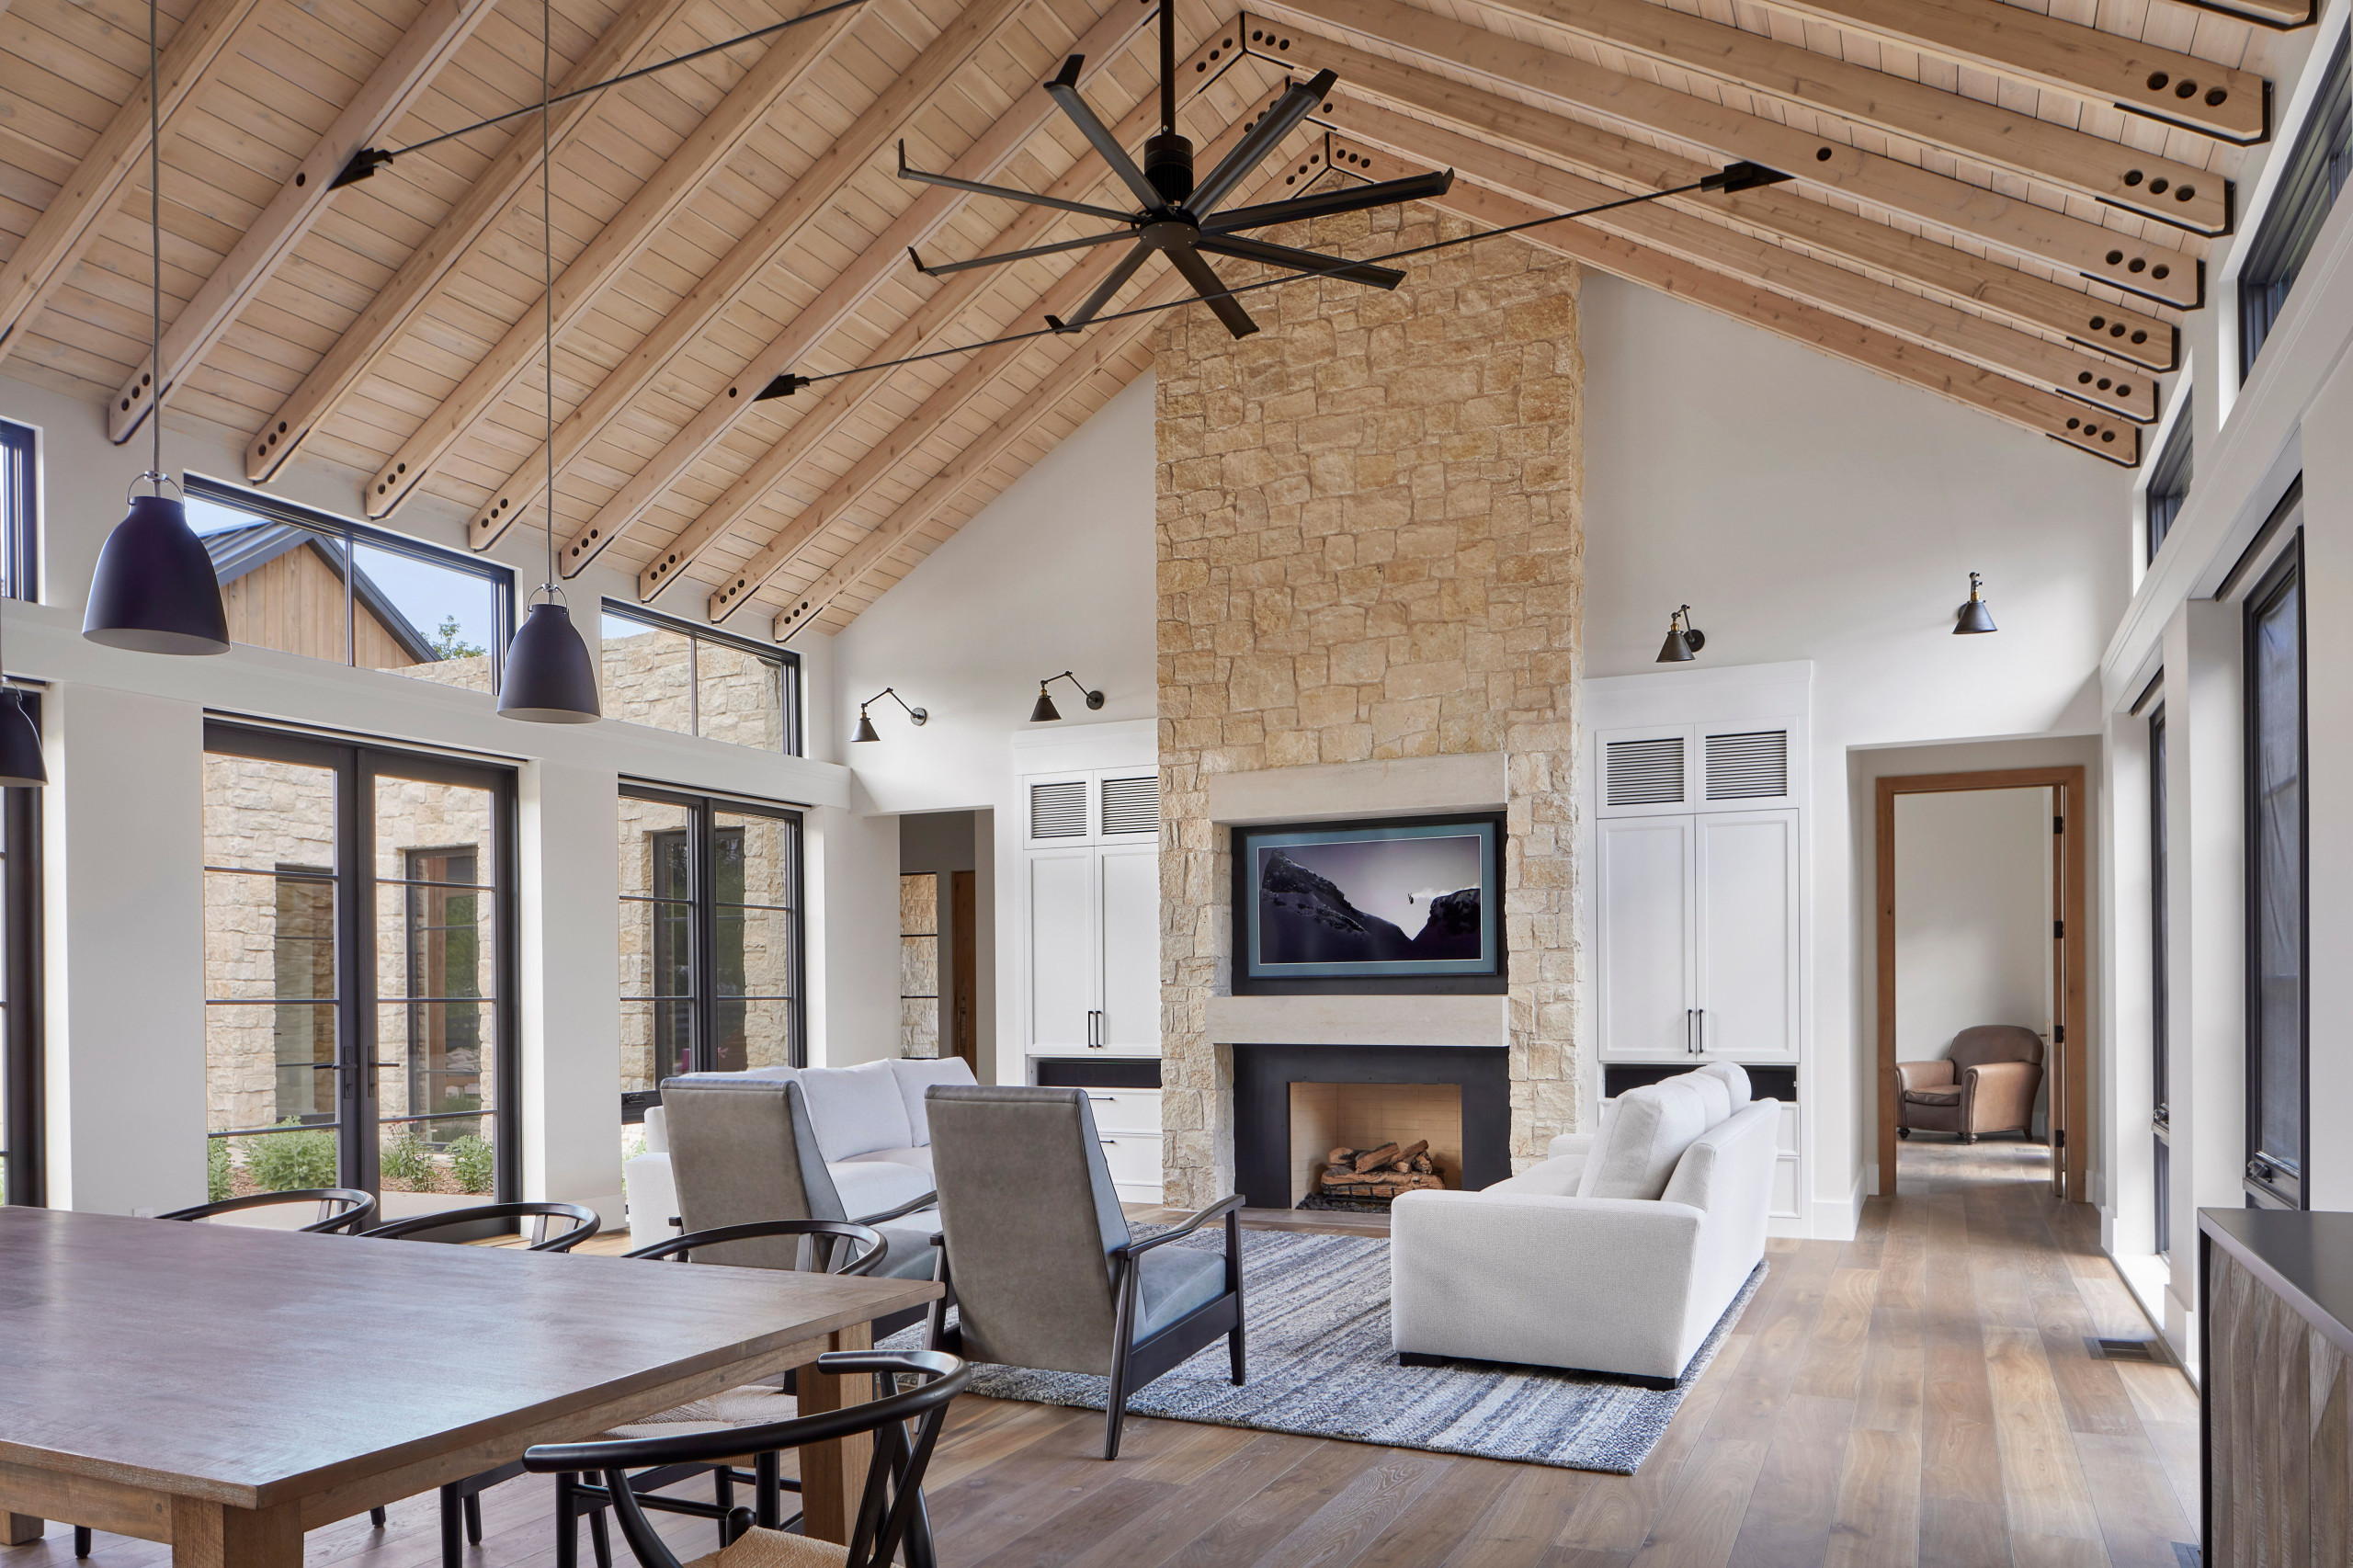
[[855, 1111], [918, 1073], [1555, 1177], [1710, 1090], [1638, 1149], [918, 1158], [1735, 1080], [876, 1187]]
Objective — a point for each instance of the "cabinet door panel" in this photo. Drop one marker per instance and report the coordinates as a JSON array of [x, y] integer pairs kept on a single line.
[[1748, 935], [1646, 924], [1064, 954], [1131, 947]]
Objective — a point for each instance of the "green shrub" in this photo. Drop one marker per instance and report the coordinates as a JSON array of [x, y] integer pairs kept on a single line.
[[220, 1180], [409, 1162], [283, 1162], [471, 1163]]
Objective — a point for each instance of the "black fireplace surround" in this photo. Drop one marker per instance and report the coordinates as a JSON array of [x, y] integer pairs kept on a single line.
[[1263, 1075]]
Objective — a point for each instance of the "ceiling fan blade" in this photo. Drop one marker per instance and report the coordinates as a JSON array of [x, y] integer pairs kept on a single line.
[[1347, 198], [1211, 288], [1348, 271], [1063, 90], [1055, 249], [1121, 270], [1004, 194], [1262, 139]]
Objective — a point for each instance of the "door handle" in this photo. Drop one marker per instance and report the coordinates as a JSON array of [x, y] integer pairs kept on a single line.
[[1702, 1047]]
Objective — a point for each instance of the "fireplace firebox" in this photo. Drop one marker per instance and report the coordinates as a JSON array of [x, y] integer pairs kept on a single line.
[[1271, 1172]]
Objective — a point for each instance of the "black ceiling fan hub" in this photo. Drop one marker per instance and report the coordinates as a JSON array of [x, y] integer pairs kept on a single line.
[[1169, 165]]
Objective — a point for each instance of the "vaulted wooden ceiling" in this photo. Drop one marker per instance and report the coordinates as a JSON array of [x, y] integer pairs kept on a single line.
[[2008, 207]]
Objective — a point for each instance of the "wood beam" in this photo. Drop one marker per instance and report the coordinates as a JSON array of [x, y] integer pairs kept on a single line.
[[2176, 193], [2134, 335], [2098, 67], [972, 380], [2130, 263], [1687, 233], [842, 400], [400, 79], [784, 66], [811, 198], [508, 175], [1091, 359], [65, 228]]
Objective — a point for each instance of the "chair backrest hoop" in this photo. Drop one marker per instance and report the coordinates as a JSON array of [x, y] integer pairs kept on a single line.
[[583, 1222], [861, 1256], [358, 1208]]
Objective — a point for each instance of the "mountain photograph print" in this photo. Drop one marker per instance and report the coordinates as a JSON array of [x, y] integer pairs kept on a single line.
[[1388, 901]]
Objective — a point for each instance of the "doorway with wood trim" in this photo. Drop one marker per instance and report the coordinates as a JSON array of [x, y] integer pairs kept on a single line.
[[1981, 925]]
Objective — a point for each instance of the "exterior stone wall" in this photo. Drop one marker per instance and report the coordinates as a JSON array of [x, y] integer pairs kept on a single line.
[[1370, 547]]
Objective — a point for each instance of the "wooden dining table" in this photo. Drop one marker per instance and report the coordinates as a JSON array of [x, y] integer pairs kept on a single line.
[[225, 1388]]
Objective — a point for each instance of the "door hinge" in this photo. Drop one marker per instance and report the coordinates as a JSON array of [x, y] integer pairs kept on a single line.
[[2057, 928], [2058, 1034], [2058, 1137], [2058, 824]]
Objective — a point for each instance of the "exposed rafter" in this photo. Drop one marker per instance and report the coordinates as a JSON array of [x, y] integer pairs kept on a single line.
[[508, 179], [67, 225], [399, 79]]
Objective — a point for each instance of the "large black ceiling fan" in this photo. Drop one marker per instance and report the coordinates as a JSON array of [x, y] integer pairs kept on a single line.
[[1178, 217]]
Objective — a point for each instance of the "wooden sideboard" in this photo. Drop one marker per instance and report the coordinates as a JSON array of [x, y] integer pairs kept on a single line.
[[2276, 1390]]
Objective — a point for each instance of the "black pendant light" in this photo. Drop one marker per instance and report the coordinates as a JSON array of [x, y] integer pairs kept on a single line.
[[1045, 712], [550, 677], [866, 730], [1974, 617], [1683, 638], [155, 591]]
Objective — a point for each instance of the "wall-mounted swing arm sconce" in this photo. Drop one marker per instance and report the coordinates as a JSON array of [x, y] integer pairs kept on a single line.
[[866, 726], [1045, 712], [1974, 617], [1683, 638]]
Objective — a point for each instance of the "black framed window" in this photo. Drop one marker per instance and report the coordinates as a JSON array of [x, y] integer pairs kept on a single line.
[[2276, 1121], [2160, 1021], [2168, 482], [2317, 164], [696, 680], [19, 511], [711, 942], [359, 969], [306, 582], [23, 1178]]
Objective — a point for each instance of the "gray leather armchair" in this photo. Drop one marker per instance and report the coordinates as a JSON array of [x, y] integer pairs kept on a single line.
[[1986, 1083], [1045, 1272]]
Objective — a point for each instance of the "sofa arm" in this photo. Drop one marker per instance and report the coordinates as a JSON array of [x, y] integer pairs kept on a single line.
[[1998, 1096], [1599, 1284], [1934, 1074], [1577, 1143], [652, 1198]]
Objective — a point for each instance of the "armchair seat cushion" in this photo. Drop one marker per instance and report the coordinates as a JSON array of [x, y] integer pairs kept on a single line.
[[1933, 1097], [909, 1253], [1171, 1281]]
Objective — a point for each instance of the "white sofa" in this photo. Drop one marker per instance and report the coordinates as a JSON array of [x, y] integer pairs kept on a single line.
[[870, 1124], [1617, 1254]]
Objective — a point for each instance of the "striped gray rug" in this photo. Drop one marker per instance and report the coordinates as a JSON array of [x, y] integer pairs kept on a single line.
[[1321, 1366]]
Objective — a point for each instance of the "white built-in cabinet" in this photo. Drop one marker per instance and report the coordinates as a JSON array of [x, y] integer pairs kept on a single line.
[[1697, 869], [1091, 902]]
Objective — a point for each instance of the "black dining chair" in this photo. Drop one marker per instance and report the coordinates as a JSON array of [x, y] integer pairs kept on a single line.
[[343, 1210], [890, 1511], [825, 1246], [461, 1500]]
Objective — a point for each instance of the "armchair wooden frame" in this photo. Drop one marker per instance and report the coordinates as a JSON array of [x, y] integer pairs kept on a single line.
[[2065, 1066]]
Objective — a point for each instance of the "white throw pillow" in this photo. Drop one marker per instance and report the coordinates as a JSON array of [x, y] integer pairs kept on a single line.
[[917, 1073], [1735, 1081], [1712, 1089], [1638, 1150], [855, 1111]]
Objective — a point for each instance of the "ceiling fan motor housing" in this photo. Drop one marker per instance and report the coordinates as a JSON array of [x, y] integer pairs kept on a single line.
[[1169, 165]]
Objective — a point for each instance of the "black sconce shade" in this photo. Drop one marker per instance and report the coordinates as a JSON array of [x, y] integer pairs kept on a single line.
[[21, 765], [1045, 712], [550, 677], [1974, 617], [866, 731], [155, 591], [1683, 638]]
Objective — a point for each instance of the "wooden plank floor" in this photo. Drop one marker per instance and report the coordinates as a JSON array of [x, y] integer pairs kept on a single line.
[[1920, 1396]]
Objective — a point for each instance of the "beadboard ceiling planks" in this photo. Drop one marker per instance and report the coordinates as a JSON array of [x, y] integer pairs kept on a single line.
[[741, 216]]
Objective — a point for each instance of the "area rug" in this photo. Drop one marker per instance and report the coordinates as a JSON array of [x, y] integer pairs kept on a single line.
[[1321, 1366]]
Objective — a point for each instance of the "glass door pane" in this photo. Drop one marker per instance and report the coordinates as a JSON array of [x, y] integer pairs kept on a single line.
[[657, 956], [757, 939], [436, 1009], [2275, 890], [274, 1006]]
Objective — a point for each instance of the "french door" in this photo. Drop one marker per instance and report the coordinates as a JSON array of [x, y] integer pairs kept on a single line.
[[359, 971]]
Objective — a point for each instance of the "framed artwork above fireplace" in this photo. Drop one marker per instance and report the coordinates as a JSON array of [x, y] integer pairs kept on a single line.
[[1397, 905]]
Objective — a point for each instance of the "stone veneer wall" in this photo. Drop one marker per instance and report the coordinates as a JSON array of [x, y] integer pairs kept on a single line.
[[1371, 546]]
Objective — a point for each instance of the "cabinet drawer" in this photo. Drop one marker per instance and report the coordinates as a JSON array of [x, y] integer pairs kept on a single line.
[[1134, 1159], [1125, 1110]]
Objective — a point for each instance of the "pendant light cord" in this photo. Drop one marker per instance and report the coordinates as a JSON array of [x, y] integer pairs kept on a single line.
[[155, 473], [547, 277]]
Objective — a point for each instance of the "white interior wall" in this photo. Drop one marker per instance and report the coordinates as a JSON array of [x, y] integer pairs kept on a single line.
[[1972, 916]]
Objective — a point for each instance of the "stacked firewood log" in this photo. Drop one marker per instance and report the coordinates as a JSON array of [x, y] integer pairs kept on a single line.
[[1382, 1172]]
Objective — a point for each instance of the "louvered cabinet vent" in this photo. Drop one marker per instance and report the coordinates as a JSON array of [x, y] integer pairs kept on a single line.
[[1751, 766], [1645, 773], [1058, 810], [1132, 805]]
